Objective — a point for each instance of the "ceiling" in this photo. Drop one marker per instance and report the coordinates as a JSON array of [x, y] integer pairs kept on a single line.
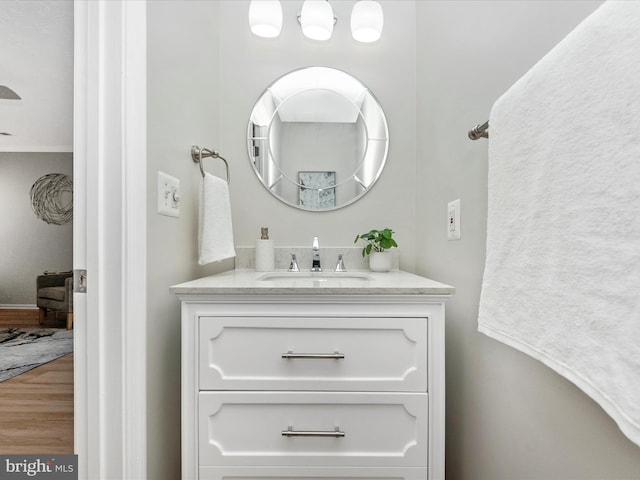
[[36, 62]]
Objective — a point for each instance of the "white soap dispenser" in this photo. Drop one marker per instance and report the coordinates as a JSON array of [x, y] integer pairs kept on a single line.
[[265, 253]]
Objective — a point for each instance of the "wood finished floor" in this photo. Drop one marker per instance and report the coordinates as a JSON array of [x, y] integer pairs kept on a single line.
[[29, 318], [36, 410]]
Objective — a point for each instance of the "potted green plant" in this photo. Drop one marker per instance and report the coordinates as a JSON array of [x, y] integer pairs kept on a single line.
[[377, 245]]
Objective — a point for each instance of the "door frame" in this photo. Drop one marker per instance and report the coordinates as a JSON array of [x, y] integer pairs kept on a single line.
[[110, 238]]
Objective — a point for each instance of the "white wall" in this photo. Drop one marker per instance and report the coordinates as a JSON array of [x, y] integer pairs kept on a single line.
[[205, 71], [29, 245], [37, 63], [182, 95], [248, 64], [508, 416]]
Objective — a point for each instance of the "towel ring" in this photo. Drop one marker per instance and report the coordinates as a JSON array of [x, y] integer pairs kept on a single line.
[[197, 154]]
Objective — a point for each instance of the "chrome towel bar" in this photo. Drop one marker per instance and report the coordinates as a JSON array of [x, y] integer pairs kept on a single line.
[[479, 131]]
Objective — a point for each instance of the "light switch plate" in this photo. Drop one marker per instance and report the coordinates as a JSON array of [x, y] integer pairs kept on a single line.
[[168, 195], [453, 220]]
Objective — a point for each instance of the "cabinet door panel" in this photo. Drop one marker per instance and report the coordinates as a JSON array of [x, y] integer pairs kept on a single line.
[[311, 473], [346, 354], [313, 429]]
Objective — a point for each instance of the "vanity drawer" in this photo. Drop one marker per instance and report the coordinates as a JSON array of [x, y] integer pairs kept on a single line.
[[346, 354], [313, 429], [311, 473]]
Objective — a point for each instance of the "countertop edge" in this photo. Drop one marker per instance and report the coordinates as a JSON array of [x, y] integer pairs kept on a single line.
[[246, 282]]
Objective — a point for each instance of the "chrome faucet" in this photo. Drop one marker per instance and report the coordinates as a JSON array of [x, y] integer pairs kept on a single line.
[[315, 262], [293, 266]]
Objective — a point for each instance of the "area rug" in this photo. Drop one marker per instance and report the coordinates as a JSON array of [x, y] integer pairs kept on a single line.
[[22, 349]]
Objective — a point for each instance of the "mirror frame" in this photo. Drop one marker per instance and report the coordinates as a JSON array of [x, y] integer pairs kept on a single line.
[[260, 140]]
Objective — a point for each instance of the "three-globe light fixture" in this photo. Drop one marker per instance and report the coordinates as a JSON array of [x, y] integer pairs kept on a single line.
[[316, 19]]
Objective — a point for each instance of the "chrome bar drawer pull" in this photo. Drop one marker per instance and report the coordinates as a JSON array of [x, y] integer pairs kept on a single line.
[[290, 432], [330, 356]]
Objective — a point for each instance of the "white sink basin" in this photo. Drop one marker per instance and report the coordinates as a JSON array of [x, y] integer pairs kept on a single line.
[[315, 276]]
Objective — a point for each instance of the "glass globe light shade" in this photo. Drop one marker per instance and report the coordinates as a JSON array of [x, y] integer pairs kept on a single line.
[[265, 18], [316, 19], [367, 21]]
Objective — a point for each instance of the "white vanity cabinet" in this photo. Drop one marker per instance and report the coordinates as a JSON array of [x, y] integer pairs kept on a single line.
[[312, 383]]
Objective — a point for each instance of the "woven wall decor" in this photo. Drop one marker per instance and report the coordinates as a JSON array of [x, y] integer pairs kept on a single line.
[[52, 198]]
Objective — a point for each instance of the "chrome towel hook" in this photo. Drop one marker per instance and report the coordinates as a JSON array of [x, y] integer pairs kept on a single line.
[[197, 154]]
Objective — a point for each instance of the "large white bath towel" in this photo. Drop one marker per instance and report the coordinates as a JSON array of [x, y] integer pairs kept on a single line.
[[215, 236], [562, 274]]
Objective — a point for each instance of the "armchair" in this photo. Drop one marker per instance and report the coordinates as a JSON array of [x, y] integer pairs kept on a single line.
[[55, 292]]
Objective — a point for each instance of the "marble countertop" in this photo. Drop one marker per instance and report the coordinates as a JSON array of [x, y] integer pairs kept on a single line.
[[356, 282]]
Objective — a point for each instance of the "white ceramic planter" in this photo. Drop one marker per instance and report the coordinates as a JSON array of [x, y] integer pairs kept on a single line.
[[380, 261]]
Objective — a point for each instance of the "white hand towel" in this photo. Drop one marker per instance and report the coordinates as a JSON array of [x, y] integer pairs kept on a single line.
[[215, 236], [562, 274]]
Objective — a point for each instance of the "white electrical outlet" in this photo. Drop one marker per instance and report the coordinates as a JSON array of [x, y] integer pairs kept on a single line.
[[168, 195], [453, 220]]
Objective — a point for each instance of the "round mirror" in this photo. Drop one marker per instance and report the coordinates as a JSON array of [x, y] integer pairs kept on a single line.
[[317, 139]]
